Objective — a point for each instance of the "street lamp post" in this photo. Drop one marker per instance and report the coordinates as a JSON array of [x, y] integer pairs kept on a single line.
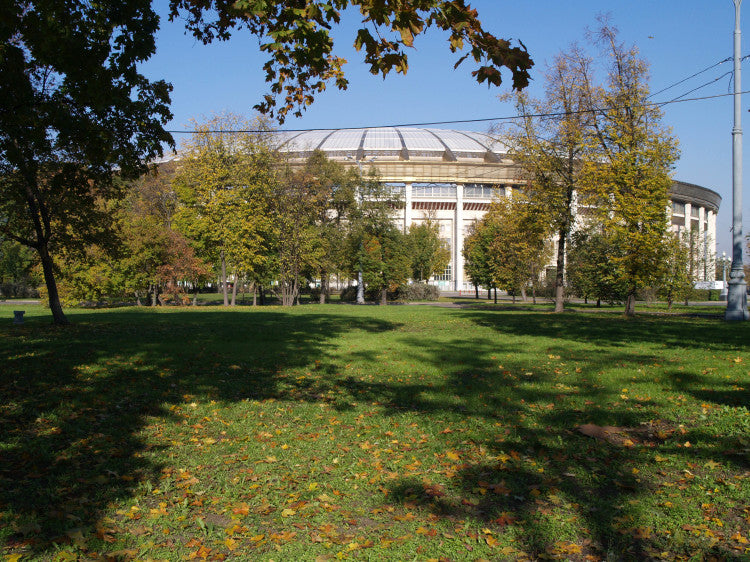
[[724, 262], [737, 296]]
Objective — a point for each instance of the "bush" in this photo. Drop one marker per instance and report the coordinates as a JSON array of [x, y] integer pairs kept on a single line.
[[64, 293], [19, 289], [648, 294], [315, 295], [348, 295], [418, 292]]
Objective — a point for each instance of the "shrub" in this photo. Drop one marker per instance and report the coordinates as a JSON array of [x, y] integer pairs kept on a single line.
[[418, 292], [64, 292], [315, 295], [349, 294]]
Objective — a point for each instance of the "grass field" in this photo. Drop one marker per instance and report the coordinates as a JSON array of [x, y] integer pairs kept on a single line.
[[374, 433]]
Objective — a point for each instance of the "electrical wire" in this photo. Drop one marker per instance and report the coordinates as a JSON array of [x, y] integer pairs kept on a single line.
[[730, 73], [678, 99], [692, 76], [427, 123]]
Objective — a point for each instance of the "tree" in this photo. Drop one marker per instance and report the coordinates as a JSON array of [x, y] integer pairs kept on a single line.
[[631, 179], [223, 186], [676, 277], [477, 259], [385, 260], [509, 244], [297, 38], [335, 186], [430, 255], [299, 200], [74, 111], [375, 246], [591, 267], [154, 254], [17, 275], [550, 143], [141, 256]]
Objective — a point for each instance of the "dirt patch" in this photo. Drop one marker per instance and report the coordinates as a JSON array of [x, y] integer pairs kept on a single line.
[[648, 434]]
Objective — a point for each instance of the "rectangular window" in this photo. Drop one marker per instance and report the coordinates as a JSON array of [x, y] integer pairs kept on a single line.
[[678, 208], [483, 191], [433, 190], [447, 275], [396, 189], [694, 211]]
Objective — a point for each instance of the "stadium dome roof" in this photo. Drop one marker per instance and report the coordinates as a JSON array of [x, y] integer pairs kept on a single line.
[[393, 143]]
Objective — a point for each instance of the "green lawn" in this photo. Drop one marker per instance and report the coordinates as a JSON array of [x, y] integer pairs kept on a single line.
[[376, 433]]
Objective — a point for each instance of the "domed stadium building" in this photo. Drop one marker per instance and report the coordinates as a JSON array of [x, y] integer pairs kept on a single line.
[[452, 177]]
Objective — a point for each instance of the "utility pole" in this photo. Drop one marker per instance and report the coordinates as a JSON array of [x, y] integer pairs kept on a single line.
[[737, 295]]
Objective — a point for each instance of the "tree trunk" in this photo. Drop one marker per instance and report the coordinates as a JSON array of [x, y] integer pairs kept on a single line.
[[514, 296], [533, 294], [489, 294], [58, 316], [262, 295], [137, 299], [559, 275], [360, 288], [195, 296], [255, 294], [523, 294], [384, 296], [289, 292], [324, 287], [234, 289], [224, 278], [476, 292], [630, 305], [598, 303], [155, 294]]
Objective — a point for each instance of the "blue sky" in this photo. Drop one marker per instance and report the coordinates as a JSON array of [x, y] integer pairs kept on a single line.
[[677, 38]]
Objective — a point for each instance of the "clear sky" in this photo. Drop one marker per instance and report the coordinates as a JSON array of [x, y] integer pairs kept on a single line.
[[678, 38]]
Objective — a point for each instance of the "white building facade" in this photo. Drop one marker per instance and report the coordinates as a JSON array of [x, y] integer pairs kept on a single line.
[[452, 177]]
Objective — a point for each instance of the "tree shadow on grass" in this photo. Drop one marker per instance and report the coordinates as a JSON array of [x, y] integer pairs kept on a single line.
[[75, 400], [550, 476], [611, 329]]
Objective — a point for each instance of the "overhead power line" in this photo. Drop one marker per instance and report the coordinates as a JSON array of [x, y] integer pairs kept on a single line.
[[455, 122], [692, 76], [677, 99]]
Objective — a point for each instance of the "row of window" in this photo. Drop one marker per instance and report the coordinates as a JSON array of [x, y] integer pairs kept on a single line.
[[471, 190], [678, 208]]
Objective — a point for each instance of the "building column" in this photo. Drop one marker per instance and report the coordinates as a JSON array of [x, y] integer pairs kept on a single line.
[[703, 241], [458, 240], [407, 207], [711, 233]]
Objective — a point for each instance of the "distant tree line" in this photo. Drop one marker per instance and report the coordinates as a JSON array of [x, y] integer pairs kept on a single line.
[[233, 212]]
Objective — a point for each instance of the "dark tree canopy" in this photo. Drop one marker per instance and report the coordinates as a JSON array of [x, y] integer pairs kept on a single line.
[[74, 110], [295, 34]]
